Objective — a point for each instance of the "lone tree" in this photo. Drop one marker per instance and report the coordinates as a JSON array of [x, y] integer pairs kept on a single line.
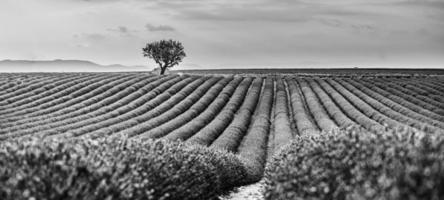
[[166, 53]]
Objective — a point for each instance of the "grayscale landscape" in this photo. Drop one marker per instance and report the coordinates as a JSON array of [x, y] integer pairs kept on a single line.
[[230, 100]]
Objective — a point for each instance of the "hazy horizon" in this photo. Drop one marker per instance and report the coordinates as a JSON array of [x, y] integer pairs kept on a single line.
[[224, 34]]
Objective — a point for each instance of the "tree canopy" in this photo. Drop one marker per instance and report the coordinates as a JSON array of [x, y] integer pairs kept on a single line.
[[166, 53]]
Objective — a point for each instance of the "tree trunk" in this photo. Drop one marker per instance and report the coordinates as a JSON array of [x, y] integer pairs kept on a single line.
[[162, 70]]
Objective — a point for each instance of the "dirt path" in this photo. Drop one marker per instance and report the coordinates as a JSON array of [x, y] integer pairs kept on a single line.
[[248, 192]]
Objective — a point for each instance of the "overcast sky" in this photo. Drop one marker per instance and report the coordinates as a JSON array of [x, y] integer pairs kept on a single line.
[[222, 33]]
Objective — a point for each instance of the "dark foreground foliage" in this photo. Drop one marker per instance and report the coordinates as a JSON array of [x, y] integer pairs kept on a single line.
[[359, 165], [114, 169]]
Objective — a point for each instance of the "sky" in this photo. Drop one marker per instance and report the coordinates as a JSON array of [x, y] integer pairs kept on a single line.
[[229, 34]]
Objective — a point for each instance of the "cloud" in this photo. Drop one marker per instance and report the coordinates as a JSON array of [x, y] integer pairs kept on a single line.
[[95, 36], [101, 1], [124, 31], [90, 36], [244, 15], [86, 40], [347, 25], [287, 11], [163, 28], [438, 4]]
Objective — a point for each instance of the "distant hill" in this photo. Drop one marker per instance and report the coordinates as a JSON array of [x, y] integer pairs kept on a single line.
[[63, 66]]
